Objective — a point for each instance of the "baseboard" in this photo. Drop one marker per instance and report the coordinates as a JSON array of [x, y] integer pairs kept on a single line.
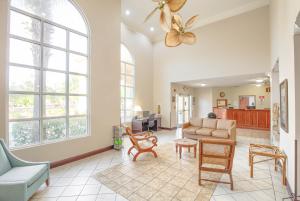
[[79, 157], [170, 129]]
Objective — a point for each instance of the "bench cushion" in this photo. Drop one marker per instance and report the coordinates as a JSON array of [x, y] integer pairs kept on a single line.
[[224, 124], [5, 164], [196, 122], [190, 130], [204, 131], [27, 174], [220, 134], [210, 123]]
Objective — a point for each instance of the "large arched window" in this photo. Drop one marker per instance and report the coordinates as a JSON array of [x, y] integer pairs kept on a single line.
[[48, 72], [127, 85]]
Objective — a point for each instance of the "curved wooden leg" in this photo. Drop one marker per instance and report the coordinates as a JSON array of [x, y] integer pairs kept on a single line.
[[47, 182], [130, 149], [231, 181], [154, 153], [199, 178], [136, 155]]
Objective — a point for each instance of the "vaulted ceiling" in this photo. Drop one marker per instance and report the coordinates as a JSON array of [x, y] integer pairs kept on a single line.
[[209, 11]]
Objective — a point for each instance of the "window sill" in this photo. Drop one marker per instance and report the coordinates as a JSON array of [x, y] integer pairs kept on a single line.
[[48, 143]]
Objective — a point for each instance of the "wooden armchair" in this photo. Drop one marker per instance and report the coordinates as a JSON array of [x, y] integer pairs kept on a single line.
[[218, 152], [142, 142]]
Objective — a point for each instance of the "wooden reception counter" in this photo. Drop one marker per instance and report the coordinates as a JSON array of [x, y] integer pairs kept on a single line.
[[254, 118]]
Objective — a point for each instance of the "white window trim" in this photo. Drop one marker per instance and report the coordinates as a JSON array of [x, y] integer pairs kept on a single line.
[[41, 69], [123, 121]]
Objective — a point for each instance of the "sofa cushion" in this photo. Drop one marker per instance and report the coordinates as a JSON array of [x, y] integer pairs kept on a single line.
[[204, 131], [27, 174], [190, 130], [220, 134], [196, 122], [210, 123], [224, 124], [5, 164]]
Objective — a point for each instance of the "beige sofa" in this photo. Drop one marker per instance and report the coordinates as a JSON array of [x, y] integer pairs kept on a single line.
[[199, 128]]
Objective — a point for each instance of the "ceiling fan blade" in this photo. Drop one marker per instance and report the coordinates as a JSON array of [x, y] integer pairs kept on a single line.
[[165, 19], [189, 38], [191, 21], [150, 15], [172, 38], [177, 22], [176, 5]]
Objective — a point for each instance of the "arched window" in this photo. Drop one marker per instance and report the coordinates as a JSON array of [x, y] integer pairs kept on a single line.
[[48, 72], [127, 85]]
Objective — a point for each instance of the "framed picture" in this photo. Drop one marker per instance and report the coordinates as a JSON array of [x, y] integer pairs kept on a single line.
[[221, 102], [284, 107]]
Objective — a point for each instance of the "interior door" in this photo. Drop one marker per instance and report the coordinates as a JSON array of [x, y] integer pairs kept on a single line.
[[183, 109]]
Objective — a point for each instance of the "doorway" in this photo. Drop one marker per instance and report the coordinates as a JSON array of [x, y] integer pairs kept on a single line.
[[184, 108]]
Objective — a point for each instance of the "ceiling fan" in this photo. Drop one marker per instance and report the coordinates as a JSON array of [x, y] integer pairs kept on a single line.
[[171, 22]]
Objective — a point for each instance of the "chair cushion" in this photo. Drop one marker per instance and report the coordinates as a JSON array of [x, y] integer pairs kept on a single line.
[[190, 130], [210, 123], [224, 124], [28, 174], [220, 134], [5, 164], [204, 131], [196, 122], [144, 144]]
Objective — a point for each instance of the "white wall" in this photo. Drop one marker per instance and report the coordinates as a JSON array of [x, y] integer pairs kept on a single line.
[[283, 16], [235, 46], [142, 51], [105, 79], [204, 101]]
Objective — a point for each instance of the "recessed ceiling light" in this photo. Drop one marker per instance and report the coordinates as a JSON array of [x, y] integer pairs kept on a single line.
[[258, 85], [203, 85], [152, 29], [259, 81], [127, 12]]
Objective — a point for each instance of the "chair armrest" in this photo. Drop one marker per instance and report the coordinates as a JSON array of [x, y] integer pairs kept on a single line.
[[232, 133], [186, 125], [154, 138], [146, 133]]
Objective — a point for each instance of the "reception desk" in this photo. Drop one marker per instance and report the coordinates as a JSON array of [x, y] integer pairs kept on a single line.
[[254, 118]]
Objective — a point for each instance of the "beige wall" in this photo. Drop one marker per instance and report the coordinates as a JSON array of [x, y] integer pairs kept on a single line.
[[204, 101], [235, 46], [105, 79], [142, 51], [283, 16], [232, 95]]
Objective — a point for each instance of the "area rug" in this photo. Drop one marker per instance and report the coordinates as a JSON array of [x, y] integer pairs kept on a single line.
[[159, 179]]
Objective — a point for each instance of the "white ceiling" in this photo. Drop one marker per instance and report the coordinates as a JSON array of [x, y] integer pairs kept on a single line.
[[228, 81], [209, 11]]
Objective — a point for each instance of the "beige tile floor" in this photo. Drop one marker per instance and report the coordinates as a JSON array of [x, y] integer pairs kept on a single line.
[[76, 181]]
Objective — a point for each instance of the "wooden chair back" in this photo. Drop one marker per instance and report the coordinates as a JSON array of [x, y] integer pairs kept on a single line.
[[218, 152], [132, 137]]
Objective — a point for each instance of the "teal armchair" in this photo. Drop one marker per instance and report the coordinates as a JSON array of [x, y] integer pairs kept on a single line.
[[20, 179]]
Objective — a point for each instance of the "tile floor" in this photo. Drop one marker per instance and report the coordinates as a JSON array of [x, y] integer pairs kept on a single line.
[[76, 181]]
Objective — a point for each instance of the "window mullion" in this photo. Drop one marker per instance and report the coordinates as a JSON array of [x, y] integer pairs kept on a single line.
[[41, 89], [67, 83]]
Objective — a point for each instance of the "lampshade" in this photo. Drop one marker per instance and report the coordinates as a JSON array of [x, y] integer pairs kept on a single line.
[[138, 108]]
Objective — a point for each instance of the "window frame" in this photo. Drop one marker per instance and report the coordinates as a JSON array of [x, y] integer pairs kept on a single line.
[[123, 120], [41, 93]]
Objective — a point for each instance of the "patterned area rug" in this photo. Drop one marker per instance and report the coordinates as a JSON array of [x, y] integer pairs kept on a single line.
[[159, 179]]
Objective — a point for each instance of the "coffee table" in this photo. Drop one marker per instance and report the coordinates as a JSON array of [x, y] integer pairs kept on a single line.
[[186, 143]]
